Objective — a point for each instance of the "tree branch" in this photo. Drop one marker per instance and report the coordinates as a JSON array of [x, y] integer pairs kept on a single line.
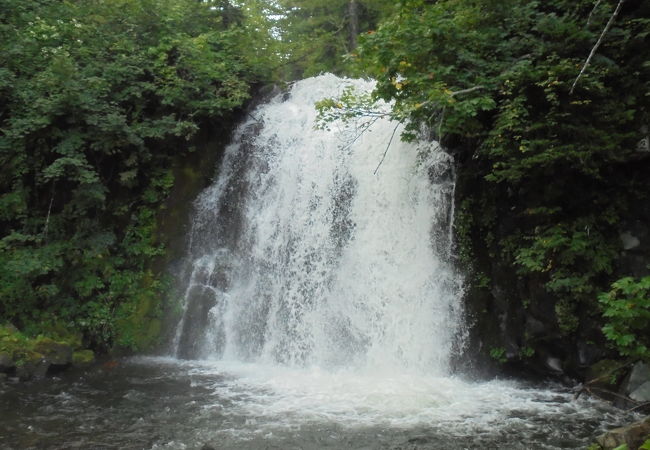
[[598, 42], [593, 11], [467, 91], [387, 147], [49, 211]]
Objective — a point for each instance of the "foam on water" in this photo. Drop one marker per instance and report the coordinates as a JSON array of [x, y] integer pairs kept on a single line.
[[280, 399]]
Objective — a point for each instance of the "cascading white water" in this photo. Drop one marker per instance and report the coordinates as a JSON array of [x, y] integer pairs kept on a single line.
[[300, 255], [320, 305]]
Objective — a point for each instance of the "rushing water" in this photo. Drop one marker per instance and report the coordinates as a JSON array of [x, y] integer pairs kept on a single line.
[[157, 403], [320, 309]]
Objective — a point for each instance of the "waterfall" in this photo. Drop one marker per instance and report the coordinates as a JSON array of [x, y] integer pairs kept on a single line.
[[300, 255]]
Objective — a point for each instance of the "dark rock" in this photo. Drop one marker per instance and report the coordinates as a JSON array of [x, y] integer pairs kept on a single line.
[[55, 353], [632, 436], [6, 362], [588, 353], [535, 327], [35, 367]]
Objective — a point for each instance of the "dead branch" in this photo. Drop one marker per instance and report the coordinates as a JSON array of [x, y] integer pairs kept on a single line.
[[387, 147], [467, 91], [610, 372], [598, 42], [49, 211], [593, 11], [641, 406]]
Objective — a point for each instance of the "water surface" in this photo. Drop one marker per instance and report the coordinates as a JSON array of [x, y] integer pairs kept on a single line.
[[161, 403]]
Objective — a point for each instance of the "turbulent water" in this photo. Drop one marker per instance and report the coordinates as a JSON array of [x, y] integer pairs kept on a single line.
[[320, 309]]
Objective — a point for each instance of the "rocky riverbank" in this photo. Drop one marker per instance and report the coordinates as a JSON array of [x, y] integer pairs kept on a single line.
[[24, 358]]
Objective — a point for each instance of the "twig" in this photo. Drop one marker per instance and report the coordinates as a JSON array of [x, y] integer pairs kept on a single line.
[[598, 42], [49, 210], [642, 405], [364, 127], [609, 372], [587, 385], [614, 394], [467, 91], [442, 118], [593, 11], [387, 147]]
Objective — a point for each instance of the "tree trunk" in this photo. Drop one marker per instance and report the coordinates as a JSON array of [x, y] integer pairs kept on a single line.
[[353, 16]]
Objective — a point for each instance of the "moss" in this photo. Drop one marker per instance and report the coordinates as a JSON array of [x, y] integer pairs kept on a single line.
[[138, 326], [12, 341], [26, 351], [83, 357]]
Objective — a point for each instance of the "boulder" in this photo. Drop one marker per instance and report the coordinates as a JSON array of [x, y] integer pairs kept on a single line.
[[633, 436], [642, 393], [34, 366], [56, 353], [6, 362], [639, 375]]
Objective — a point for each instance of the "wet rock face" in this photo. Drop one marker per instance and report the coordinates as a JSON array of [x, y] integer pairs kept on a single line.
[[515, 314]]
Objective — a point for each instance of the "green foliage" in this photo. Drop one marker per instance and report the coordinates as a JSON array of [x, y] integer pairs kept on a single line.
[[556, 171], [526, 352], [316, 35], [626, 308], [571, 257], [498, 354], [97, 100]]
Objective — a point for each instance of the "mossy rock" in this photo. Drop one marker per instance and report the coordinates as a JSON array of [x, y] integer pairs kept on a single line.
[[632, 436], [139, 326], [30, 364], [83, 358], [57, 353]]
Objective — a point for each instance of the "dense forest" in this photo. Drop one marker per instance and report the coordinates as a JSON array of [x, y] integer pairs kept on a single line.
[[544, 105]]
